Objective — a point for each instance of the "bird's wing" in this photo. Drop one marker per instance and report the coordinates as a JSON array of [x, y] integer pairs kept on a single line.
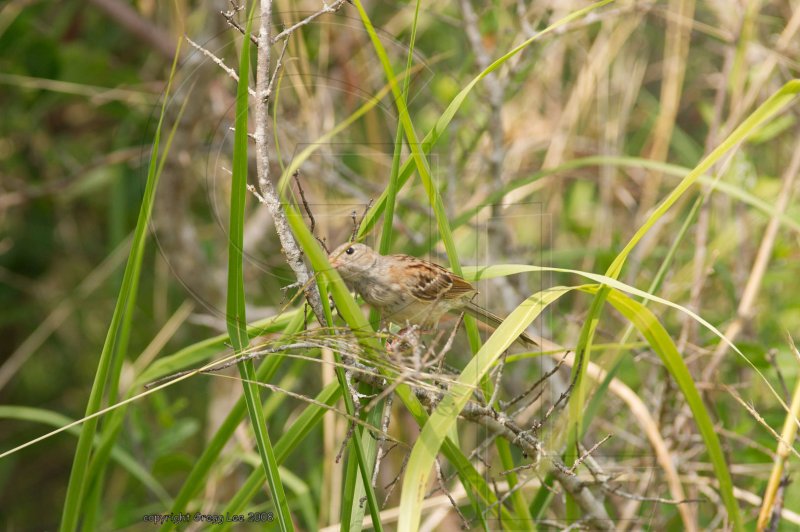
[[430, 282]]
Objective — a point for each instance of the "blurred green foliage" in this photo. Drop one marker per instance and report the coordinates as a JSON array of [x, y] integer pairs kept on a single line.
[[80, 98]]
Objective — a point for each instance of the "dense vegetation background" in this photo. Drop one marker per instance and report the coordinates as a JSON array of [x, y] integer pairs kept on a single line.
[[554, 159]]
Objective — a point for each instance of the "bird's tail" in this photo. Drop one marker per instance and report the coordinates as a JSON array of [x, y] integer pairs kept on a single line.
[[494, 321]]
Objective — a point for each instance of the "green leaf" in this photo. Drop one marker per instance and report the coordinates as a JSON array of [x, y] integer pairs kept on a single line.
[[443, 419], [235, 314], [120, 320]]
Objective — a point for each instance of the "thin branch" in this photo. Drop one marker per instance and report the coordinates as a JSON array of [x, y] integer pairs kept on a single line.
[[498, 378], [358, 221], [219, 62], [294, 256], [333, 8], [278, 66], [387, 414], [311, 219], [536, 384], [585, 455], [443, 487], [285, 34]]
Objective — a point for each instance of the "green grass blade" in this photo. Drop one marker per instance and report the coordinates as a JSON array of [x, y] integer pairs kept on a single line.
[[444, 120], [300, 158], [203, 465], [672, 170], [523, 519], [660, 341], [54, 419], [235, 309], [750, 125], [77, 479], [774, 104], [350, 311], [287, 322], [300, 428], [352, 514], [423, 168], [394, 183], [113, 424], [355, 319], [444, 417], [487, 272], [577, 398]]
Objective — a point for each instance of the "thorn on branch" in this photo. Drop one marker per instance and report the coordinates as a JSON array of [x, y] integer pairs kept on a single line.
[[284, 35], [255, 193], [251, 136]]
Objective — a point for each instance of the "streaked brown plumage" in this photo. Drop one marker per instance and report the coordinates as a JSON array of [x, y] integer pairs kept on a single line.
[[408, 290]]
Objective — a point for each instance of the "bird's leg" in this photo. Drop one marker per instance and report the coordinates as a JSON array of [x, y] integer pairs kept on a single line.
[[406, 347]]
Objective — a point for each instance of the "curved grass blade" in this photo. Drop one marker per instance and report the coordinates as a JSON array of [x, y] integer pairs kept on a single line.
[[235, 309], [350, 311], [660, 341], [444, 417], [299, 429], [672, 170], [750, 125], [444, 120], [112, 426], [774, 104], [192, 355], [77, 478], [203, 465], [423, 168], [54, 419], [355, 319], [394, 183], [487, 272]]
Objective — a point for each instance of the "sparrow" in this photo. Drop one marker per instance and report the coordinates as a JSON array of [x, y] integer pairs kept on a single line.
[[408, 290]]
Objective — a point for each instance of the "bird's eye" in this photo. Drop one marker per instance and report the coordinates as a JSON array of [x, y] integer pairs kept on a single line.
[[350, 251]]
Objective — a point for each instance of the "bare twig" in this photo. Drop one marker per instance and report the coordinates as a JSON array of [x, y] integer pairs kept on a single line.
[[585, 455], [311, 219], [333, 8], [535, 385], [409, 373], [358, 221], [219, 62], [443, 487], [278, 66], [498, 377], [391, 485], [387, 414], [268, 196], [228, 15], [285, 34]]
